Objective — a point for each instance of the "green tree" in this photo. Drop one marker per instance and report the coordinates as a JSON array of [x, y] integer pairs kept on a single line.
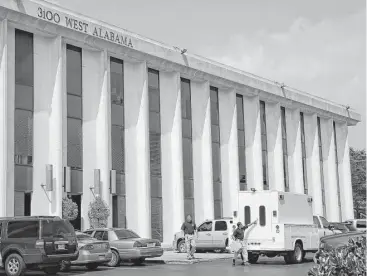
[[358, 171], [69, 209], [98, 213]]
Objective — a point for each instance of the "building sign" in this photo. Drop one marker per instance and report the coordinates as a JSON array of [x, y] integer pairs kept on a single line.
[[78, 24]]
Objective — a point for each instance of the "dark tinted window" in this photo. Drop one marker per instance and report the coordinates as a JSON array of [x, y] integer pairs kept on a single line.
[[220, 226], [247, 215], [205, 227], [23, 229], [264, 145], [105, 236], [361, 224], [84, 237], [99, 235], [74, 70], [56, 229], [126, 234], [262, 216]]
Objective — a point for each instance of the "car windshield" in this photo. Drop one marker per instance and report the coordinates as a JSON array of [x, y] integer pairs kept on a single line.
[[57, 229], [340, 226], [126, 234]]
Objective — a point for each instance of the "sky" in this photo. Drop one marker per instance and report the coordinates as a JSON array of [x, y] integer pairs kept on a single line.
[[312, 45]]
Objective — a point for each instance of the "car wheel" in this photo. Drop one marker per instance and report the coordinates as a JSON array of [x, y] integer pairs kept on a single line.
[[115, 260], [92, 266], [139, 261], [297, 254], [181, 246], [52, 270], [14, 265], [253, 258], [65, 266]]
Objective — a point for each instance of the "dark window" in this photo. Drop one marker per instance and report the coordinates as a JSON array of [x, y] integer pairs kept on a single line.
[[23, 137], [337, 171], [216, 157], [303, 148], [75, 143], [24, 58], [321, 166], [247, 215], [241, 143], [220, 226], [117, 81], [27, 203], [155, 155], [23, 229], [99, 235], [105, 236], [264, 145], [187, 154], [126, 234], [114, 211], [325, 223], [205, 227], [262, 214], [361, 224], [285, 149], [88, 232], [77, 198], [74, 70], [56, 229]]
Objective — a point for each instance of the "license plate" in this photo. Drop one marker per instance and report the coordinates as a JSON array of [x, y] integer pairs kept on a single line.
[[61, 247], [151, 244]]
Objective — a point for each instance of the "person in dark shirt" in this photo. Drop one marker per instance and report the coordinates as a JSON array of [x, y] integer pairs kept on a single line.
[[238, 236], [189, 230]]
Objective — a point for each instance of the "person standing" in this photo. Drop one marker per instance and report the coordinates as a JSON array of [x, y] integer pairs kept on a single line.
[[238, 236], [189, 230]]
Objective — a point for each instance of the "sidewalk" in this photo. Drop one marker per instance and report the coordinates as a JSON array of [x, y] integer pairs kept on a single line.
[[171, 257]]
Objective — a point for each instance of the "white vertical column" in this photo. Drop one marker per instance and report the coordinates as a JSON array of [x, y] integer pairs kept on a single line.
[[345, 182], [229, 151], [328, 152], [275, 150], [103, 131], [251, 110], [137, 148], [7, 97], [171, 141], [294, 150], [313, 162], [202, 151], [92, 77], [48, 121]]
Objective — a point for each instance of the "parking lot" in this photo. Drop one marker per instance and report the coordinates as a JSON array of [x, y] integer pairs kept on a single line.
[[265, 266]]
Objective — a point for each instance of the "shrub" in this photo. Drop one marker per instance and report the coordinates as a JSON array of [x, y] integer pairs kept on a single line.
[[98, 213], [348, 260], [69, 209]]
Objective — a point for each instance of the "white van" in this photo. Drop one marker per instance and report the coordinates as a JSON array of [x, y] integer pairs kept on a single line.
[[285, 224]]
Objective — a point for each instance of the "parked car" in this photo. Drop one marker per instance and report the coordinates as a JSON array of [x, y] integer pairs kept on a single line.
[[357, 224], [213, 234], [92, 253], [36, 242], [338, 226], [126, 245], [337, 240]]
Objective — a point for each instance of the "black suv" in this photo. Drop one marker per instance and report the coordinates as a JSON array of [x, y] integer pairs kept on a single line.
[[36, 242]]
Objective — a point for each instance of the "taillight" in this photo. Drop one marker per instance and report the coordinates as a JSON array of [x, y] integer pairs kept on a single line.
[[137, 244], [40, 243], [87, 247]]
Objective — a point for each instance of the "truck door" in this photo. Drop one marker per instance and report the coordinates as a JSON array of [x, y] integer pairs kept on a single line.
[[220, 233], [205, 238], [320, 229]]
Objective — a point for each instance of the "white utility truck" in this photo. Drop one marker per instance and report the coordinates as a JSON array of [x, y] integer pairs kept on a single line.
[[285, 225]]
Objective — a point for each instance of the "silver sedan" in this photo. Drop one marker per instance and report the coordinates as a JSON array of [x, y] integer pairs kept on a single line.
[[126, 245]]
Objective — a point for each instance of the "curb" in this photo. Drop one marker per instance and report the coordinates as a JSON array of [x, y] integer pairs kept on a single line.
[[183, 262]]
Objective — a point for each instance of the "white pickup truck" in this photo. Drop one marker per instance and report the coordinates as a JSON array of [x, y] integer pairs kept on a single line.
[[285, 227]]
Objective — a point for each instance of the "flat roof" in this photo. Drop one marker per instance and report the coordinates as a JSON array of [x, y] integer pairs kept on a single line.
[[45, 17]]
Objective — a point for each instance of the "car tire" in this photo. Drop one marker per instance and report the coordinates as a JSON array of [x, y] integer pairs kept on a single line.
[[52, 270], [115, 260], [181, 247], [139, 261], [92, 266], [253, 258], [65, 266], [297, 254], [14, 265]]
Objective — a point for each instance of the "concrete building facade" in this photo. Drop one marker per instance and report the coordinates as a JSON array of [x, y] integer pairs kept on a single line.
[[157, 132]]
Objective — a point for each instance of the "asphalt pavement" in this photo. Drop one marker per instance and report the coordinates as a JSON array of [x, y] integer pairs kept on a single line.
[[265, 266]]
